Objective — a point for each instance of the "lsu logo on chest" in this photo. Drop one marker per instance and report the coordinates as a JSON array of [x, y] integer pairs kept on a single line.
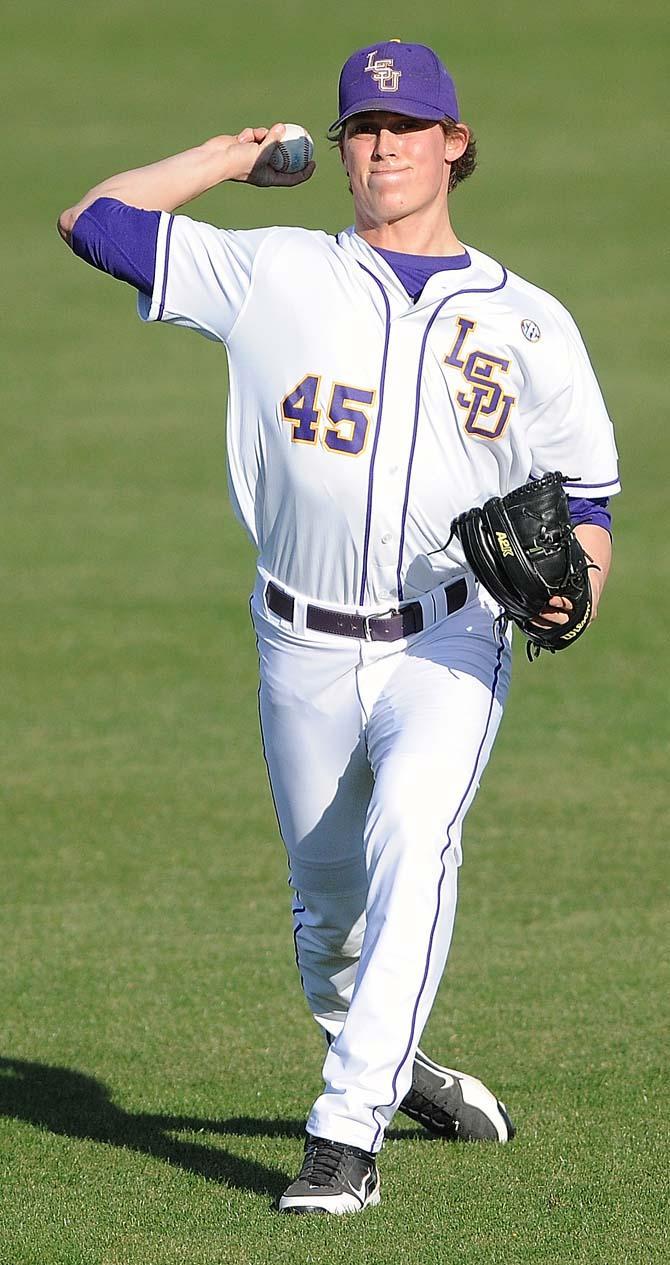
[[486, 404]]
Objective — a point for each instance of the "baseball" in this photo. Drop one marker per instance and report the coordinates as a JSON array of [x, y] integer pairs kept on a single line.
[[293, 152]]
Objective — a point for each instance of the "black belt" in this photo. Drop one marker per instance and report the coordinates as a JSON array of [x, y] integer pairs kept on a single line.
[[390, 627]]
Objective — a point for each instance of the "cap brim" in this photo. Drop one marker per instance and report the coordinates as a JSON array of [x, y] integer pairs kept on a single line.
[[398, 105]]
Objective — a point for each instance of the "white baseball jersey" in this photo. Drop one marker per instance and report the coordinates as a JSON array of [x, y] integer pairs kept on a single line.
[[360, 423]]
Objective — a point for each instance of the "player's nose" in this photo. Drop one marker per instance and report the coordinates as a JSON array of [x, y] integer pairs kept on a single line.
[[386, 143]]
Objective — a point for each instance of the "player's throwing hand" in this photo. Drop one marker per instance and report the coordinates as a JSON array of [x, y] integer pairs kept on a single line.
[[253, 147]]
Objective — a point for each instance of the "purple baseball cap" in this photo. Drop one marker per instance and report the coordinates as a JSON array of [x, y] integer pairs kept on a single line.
[[401, 78]]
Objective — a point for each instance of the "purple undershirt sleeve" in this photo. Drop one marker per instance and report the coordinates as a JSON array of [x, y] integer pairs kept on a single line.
[[583, 510], [120, 240]]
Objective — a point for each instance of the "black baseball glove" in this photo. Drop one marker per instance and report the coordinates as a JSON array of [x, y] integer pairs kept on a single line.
[[523, 549]]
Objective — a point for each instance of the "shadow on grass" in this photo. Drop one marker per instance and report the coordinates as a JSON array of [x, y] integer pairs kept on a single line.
[[78, 1106]]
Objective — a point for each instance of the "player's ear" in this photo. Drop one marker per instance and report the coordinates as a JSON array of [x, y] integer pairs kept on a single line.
[[340, 145], [456, 141]]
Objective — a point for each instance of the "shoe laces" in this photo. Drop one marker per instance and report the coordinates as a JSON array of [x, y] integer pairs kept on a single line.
[[421, 1105], [322, 1161]]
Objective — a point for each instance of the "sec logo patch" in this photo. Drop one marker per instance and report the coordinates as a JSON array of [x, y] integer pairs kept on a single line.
[[531, 331]]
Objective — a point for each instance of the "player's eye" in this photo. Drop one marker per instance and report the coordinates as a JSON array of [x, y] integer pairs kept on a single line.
[[409, 125]]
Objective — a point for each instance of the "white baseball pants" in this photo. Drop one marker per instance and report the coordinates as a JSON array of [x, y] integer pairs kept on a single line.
[[374, 753]]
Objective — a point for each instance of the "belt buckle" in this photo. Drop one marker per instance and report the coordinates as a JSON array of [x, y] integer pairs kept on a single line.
[[383, 619]]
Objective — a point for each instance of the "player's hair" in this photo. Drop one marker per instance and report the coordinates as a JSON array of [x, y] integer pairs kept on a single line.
[[461, 168], [464, 166]]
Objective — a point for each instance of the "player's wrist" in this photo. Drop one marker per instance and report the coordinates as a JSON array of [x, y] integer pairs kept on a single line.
[[218, 158]]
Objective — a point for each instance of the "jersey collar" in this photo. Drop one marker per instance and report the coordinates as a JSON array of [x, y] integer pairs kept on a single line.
[[482, 272]]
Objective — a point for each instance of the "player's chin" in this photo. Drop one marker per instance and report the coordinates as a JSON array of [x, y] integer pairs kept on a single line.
[[388, 205]]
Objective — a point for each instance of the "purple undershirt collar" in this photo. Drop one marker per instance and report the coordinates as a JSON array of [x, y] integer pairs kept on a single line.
[[413, 271]]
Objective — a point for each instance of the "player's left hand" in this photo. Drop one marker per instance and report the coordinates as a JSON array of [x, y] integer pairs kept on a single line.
[[555, 612], [558, 608], [252, 148]]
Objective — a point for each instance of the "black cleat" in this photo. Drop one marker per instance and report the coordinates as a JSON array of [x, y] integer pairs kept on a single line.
[[455, 1106], [334, 1178]]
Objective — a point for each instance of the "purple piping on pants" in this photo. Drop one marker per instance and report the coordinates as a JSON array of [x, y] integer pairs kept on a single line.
[[165, 268], [368, 513], [456, 294], [394, 1084], [299, 909]]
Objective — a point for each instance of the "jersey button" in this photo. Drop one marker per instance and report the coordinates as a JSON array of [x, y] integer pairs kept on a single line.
[[387, 538]]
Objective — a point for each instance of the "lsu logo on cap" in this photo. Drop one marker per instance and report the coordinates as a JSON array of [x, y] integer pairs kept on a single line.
[[386, 78]]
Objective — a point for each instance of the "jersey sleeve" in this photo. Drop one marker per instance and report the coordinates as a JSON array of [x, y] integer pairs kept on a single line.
[[571, 430], [202, 275], [587, 510], [118, 239]]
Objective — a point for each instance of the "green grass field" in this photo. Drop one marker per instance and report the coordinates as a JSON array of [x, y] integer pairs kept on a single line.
[[157, 1060]]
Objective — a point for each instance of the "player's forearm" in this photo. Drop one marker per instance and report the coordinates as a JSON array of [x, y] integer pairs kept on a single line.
[[597, 543], [164, 185]]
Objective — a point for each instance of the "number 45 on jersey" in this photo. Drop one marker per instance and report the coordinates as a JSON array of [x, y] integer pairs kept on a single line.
[[348, 424]]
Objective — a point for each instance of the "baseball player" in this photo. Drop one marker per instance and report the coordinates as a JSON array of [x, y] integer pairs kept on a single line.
[[382, 380]]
